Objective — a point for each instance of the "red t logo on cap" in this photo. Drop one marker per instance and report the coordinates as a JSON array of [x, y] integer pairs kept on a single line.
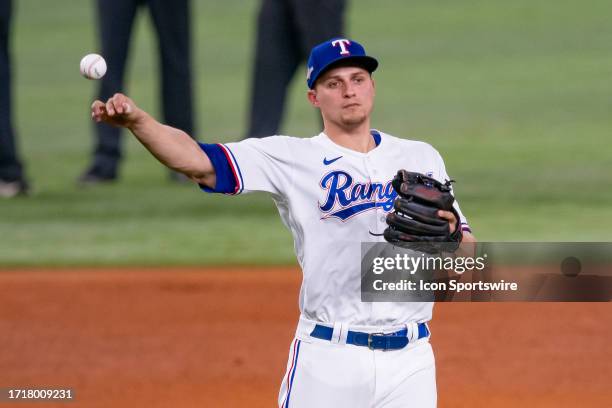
[[343, 43]]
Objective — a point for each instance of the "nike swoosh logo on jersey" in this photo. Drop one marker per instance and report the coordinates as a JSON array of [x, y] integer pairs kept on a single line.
[[328, 162]]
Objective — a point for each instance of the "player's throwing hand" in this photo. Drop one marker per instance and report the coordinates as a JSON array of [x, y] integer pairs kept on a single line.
[[119, 111]]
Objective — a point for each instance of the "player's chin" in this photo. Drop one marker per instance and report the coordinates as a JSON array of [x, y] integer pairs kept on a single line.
[[354, 118], [355, 114]]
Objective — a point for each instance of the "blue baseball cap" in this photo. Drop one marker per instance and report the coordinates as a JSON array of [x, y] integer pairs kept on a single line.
[[324, 55]]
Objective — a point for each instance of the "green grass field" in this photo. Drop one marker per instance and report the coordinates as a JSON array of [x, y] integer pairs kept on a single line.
[[516, 96]]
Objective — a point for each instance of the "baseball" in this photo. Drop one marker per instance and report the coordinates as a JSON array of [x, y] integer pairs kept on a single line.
[[93, 66]]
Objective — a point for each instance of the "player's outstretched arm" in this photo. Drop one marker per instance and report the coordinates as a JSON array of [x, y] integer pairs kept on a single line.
[[172, 147]]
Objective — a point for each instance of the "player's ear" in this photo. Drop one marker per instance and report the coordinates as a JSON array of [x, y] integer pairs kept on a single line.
[[312, 98]]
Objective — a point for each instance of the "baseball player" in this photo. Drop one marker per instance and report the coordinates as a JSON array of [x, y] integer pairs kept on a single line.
[[333, 191]]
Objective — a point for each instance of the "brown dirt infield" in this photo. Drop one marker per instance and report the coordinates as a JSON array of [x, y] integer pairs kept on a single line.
[[219, 338]]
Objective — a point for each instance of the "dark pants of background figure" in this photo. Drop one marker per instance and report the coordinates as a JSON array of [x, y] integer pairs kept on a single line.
[[10, 166], [172, 24], [286, 32]]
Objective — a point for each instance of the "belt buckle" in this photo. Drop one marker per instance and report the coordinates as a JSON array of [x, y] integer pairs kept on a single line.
[[370, 339]]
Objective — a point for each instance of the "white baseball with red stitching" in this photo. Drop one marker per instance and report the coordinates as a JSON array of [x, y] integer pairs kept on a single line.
[[93, 66]]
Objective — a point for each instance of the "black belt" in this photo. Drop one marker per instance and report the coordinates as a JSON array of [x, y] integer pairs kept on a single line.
[[374, 341]]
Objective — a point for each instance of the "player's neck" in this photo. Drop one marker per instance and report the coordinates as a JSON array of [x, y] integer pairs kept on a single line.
[[358, 138]]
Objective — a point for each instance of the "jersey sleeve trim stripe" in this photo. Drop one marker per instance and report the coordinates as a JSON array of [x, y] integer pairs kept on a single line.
[[465, 227], [227, 180], [235, 168]]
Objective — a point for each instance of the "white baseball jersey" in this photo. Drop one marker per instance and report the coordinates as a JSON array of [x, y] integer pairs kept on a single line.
[[331, 198]]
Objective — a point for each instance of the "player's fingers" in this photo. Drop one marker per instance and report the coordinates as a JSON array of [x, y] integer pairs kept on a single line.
[[96, 104], [118, 101], [110, 109], [98, 109], [450, 217], [447, 215]]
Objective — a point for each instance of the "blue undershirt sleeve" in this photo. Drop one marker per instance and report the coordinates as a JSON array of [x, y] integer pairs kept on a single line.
[[226, 177]]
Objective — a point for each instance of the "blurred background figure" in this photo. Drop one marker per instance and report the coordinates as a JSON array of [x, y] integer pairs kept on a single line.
[[12, 176], [172, 25], [286, 32]]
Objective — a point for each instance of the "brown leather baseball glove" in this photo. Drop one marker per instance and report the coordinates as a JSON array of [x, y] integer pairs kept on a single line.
[[416, 219]]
